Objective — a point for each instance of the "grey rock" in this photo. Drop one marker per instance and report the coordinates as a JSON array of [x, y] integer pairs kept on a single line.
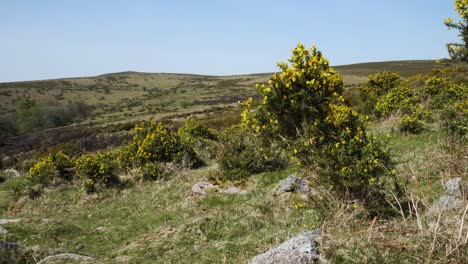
[[9, 221], [3, 231], [300, 249], [453, 187], [61, 258], [233, 190], [293, 184], [452, 197], [202, 187], [12, 173]]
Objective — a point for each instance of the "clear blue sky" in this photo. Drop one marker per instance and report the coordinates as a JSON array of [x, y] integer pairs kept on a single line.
[[42, 39]]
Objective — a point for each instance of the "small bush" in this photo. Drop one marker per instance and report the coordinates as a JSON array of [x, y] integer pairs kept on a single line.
[[377, 85], [55, 166], [154, 171], [96, 170], [411, 124], [201, 138], [241, 155], [153, 143]]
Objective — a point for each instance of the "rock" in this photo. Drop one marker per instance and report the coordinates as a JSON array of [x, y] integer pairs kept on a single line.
[[12, 173], [61, 258], [300, 249], [452, 197], [453, 187], [9, 221], [3, 231], [233, 190], [293, 184], [202, 187]]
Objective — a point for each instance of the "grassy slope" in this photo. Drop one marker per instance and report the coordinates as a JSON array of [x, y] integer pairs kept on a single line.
[[127, 96], [164, 222]]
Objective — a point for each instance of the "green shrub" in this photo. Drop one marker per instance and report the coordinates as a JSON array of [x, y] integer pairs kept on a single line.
[[400, 98], [303, 107], [411, 124], [152, 143], [241, 154], [96, 170], [201, 138], [377, 85], [154, 171], [53, 167], [455, 118]]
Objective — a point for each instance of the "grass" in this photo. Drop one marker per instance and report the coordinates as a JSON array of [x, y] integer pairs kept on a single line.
[[162, 221]]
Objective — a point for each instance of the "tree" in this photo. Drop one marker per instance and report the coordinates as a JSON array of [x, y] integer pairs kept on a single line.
[[459, 51], [28, 115]]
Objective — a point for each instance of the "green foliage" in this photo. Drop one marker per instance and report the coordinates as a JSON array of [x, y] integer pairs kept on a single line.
[[55, 166], [400, 98], [201, 138], [96, 170], [28, 115], [455, 118], [241, 155], [300, 93], [303, 106], [377, 85], [411, 124], [154, 171], [153, 142], [459, 51], [195, 129]]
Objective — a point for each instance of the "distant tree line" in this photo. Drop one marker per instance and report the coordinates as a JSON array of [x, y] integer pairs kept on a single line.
[[31, 116]]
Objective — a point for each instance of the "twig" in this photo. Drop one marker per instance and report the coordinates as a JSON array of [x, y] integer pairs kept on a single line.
[[461, 224], [435, 232]]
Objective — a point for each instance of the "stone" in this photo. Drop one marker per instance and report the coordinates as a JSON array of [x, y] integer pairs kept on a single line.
[[300, 249], [453, 187], [12, 173], [452, 197], [9, 221], [61, 258], [233, 190], [293, 184], [202, 187], [3, 231]]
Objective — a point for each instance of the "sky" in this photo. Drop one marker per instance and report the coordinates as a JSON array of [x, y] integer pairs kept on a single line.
[[45, 39]]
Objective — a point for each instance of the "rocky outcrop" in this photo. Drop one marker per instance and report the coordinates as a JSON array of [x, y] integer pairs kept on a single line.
[[452, 197], [12, 173], [301, 249], [202, 187], [293, 184]]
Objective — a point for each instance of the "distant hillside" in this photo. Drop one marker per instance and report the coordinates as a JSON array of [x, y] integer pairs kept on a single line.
[[130, 96]]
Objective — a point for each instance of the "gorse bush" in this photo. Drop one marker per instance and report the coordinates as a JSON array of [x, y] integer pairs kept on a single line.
[[303, 106], [153, 142], [199, 136], [241, 154], [96, 170], [300, 93], [195, 129], [400, 98], [55, 166], [377, 85]]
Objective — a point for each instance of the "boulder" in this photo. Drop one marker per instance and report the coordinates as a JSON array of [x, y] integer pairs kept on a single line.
[[293, 184], [300, 249], [452, 197], [66, 258], [202, 187], [12, 173]]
